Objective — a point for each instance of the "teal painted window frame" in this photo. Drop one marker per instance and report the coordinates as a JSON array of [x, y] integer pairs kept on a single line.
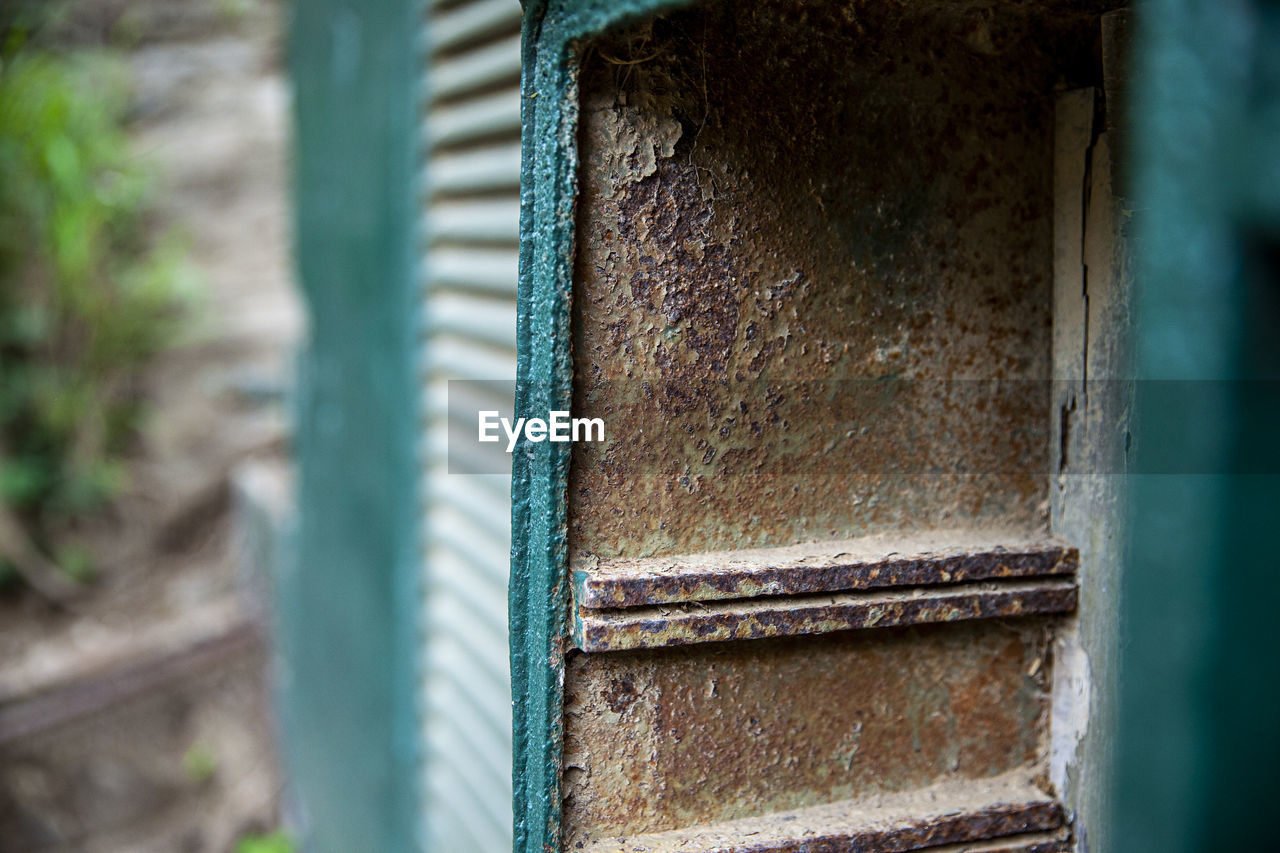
[[539, 568]]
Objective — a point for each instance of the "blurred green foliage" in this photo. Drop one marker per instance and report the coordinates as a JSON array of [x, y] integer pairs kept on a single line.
[[87, 297], [276, 842], [200, 763]]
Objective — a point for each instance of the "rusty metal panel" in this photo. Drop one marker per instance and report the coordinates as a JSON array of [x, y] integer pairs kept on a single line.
[[812, 299], [856, 197], [662, 739], [945, 818]]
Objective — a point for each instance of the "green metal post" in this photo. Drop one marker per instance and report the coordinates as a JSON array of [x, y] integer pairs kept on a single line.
[[1197, 742], [347, 602]]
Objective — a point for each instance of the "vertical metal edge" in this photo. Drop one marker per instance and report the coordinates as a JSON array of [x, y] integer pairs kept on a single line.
[[539, 591], [1192, 768], [408, 733], [406, 579], [538, 477]]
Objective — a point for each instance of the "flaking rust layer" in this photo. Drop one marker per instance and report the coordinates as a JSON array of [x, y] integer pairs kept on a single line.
[[664, 739], [684, 624], [813, 270], [876, 562]]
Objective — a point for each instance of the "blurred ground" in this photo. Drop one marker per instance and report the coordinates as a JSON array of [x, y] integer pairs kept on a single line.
[[139, 719]]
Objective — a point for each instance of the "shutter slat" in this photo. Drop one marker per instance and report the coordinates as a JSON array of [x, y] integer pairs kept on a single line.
[[483, 271], [488, 220], [481, 647], [477, 318], [461, 810], [477, 69], [479, 748], [488, 703], [478, 118], [455, 356], [470, 553], [476, 170], [471, 21], [454, 681]]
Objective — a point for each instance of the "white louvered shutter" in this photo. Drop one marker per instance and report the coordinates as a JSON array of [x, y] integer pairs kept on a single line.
[[469, 241]]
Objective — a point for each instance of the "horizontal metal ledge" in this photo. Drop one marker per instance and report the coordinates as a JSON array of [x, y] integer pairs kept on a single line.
[[1036, 842], [1004, 814], [683, 624], [858, 564]]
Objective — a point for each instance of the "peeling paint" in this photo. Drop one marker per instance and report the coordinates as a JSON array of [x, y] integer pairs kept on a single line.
[[1072, 704], [639, 140]]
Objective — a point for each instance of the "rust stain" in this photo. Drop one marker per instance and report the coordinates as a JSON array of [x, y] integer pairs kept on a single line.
[[725, 731], [812, 568], [812, 285], [620, 694], [656, 627]]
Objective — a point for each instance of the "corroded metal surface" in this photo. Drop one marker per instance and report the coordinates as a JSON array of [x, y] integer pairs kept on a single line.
[[830, 207], [1039, 842], [820, 567], [858, 828], [661, 739], [683, 624], [866, 841], [812, 302]]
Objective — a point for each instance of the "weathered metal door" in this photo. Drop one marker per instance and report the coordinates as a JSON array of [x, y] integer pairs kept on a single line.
[[845, 283]]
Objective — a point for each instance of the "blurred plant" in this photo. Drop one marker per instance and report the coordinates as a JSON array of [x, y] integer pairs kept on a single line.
[[234, 11], [85, 302], [276, 842], [200, 763]]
